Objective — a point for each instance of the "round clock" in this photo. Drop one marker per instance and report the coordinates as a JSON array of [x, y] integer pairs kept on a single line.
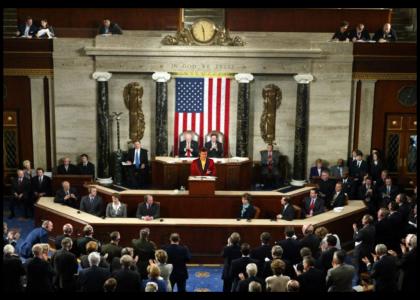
[[407, 95], [203, 30]]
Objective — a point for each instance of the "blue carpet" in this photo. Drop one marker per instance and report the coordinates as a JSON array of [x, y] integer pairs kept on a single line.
[[205, 279]]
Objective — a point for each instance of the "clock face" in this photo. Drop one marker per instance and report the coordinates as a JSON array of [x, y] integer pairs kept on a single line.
[[407, 96], [203, 30]]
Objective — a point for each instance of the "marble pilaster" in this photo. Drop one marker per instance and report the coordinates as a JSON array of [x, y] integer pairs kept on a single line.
[[161, 115], [242, 135]]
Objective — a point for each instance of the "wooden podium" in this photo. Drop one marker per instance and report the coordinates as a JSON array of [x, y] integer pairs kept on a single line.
[[201, 185]]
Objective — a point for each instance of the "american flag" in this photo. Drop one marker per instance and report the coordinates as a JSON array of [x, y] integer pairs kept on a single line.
[[202, 105]]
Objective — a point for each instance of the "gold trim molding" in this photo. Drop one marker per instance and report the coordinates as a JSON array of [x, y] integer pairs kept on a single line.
[[384, 76], [203, 74], [27, 72]]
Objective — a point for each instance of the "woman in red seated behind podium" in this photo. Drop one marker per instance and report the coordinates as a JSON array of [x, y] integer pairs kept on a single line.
[[203, 166]]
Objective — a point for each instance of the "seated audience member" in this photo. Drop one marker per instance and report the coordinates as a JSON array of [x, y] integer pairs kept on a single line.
[[214, 147], [65, 267], [239, 265], [67, 168], [203, 166], [262, 252], [290, 245], [85, 166], [358, 168], [110, 285], [317, 169], [109, 28], [309, 239], [326, 187], [339, 198], [41, 185], [148, 210], [384, 269], [251, 275], [339, 169], [382, 227], [67, 195], [145, 250], [342, 35], [36, 236], [364, 242], [313, 204], [112, 249], [340, 276], [367, 193], [311, 280], [247, 210], [348, 186], [92, 203], [277, 282], [92, 246], [138, 162], [288, 212], [27, 30], [230, 252], [359, 34], [387, 193], [270, 169], [325, 259], [188, 147], [154, 276], [28, 172], [13, 270], [92, 279], [293, 286], [254, 287], [116, 209], [178, 256], [161, 258], [39, 273], [376, 167], [385, 34], [45, 31], [67, 232], [87, 237], [21, 188], [127, 279]]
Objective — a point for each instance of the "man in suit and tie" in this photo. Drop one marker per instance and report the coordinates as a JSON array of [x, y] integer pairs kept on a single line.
[[148, 210], [37, 235], [85, 166], [326, 187], [67, 195], [367, 193], [92, 279], [339, 169], [109, 28], [67, 168], [263, 252], [92, 203], [358, 168], [203, 166], [288, 212], [270, 171], [28, 29], [348, 186], [188, 147], [359, 34], [387, 192], [339, 198], [239, 265], [364, 242], [21, 188], [324, 262], [290, 246], [313, 204], [65, 265], [340, 276], [230, 252], [316, 171], [312, 280], [310, 240], [385, 34], [41, 185], [138, 161], [214, 148]]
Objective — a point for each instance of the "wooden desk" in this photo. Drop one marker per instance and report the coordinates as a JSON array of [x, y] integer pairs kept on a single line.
[[204, 237], [172, 173]]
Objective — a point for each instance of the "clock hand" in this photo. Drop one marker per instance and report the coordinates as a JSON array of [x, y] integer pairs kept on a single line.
[[204, 34]]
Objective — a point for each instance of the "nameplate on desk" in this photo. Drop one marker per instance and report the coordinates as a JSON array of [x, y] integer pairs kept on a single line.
[[202, 178]]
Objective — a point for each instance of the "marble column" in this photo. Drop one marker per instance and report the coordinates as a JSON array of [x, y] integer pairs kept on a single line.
[[102, 122], [242, 133], [300, 156], [161, 115]]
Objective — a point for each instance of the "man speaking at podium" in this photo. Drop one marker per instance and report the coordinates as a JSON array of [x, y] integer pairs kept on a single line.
[[203, 166]]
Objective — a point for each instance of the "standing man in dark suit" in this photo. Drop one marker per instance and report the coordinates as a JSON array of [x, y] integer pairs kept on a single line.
[[128, 280], [359, 34], [67, 195], [109, 28], [83, 240], [382, 228], [13, 270], [67, 232], [178, 256], [309, 239], [92, 279], [112, 249], [247, 210], [65, 266], [239, 265], [290, 246], [312, 280], [263, 252], [21, 187], [340, 276], [148, 210], [358, 168], [85, 166], [385, 34], [326, 187], [230, 252], [288, 212], [313, 204], [324, 261], [37, 235], [339, 198], [188, 147], [92, 203], [39, 273], [41, 185], [270, 166], [364, 242], [214, 148], [367, 193], [387, 192], [27, 29], [348, 186], [67, 168], [139, 165], [145, 250]]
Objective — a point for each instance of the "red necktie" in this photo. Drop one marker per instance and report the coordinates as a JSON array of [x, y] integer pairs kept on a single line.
[[188, 150], [312, 205]]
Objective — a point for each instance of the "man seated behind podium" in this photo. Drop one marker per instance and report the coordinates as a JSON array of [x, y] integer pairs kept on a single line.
[[148, 210], [247, 210], [214, 148], [313, 204], [288, 212], [188, 147], [92, 203], [67, 168], [203, 166], [66, 195]]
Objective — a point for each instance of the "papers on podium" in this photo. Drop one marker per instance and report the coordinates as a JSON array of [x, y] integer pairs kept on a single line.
[[202, 178]]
